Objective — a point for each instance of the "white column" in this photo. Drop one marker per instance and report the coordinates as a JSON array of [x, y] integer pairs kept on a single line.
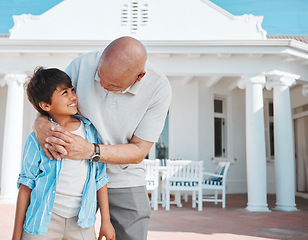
[[284, 144], [12, 141], [255, 144]]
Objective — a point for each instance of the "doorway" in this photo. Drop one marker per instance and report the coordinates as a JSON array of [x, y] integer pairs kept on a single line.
[[301, 150]]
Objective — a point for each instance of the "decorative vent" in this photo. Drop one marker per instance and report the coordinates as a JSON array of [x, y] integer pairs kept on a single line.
[[135, 11], [124, 15], [134, 15], [144, 14]]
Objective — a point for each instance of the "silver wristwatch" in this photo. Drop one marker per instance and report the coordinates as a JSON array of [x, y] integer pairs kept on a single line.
[[96, 156]]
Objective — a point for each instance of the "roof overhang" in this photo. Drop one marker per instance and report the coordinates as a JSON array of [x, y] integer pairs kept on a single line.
[[175, 58], [267, 46]]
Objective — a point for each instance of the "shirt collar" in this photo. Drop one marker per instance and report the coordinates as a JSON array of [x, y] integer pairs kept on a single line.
[[132, 89], [83, 119], [96, 76]]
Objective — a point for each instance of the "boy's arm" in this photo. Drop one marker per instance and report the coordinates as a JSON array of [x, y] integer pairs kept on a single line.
[[26, 182], [23, 201], [106, 229]]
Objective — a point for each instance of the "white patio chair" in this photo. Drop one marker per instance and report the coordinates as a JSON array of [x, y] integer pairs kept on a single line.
[[217, 182], [182, 176], [152, 181]]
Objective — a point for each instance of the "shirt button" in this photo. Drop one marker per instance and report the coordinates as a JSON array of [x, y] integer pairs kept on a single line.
[[53, 191], [49, 213]]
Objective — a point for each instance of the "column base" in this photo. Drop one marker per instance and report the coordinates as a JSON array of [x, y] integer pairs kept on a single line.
[[257, 208], [7, 200], [286, 207]]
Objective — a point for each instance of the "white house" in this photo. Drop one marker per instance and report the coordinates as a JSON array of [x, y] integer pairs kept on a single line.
[[232, 86]]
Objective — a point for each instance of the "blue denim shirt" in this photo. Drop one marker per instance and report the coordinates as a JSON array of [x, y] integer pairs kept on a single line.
[[41, 175]]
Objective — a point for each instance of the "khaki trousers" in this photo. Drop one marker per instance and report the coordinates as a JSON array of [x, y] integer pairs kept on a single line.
[[61, 228]]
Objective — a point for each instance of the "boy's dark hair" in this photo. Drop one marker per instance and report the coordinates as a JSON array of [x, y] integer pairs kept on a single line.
[[42, 85]]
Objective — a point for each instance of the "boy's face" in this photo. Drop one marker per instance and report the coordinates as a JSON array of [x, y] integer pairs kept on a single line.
[[63, 102]]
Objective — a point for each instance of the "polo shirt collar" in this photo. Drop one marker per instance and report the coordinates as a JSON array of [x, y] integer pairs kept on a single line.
[[133, 89], [96, 78]]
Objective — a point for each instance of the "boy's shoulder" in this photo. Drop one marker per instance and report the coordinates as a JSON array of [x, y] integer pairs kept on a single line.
[[89, 127], [33, 142]]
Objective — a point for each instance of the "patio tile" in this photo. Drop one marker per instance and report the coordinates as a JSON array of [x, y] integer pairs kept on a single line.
[[213, 223]]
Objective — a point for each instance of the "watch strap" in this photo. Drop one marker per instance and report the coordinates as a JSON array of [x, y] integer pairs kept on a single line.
[[96, 156], [96, 149]]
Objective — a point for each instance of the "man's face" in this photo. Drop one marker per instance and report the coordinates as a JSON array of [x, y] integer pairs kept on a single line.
[[116, 82]]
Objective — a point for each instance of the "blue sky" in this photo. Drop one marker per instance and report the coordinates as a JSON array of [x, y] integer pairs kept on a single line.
[[284, 17]]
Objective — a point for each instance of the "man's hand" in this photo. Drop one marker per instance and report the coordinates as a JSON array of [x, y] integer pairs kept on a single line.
[[43, 129], [58, 143], [106, 231], [68, 145]]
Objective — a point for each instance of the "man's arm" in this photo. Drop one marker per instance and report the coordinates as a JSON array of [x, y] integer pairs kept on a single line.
[[132, 153], [79, 149], [106, 229], [23, 201], [58, 143]]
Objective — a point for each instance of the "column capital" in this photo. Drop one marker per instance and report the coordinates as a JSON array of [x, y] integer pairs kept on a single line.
[[20, 78], [255, 79], [279, 78], [305, 90]]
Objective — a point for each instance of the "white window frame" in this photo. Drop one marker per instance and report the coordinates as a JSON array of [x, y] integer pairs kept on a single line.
[[227, 138], [222, 116], [228, 142]]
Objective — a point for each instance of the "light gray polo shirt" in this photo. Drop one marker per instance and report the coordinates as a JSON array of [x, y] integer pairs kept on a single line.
[[141, 111]]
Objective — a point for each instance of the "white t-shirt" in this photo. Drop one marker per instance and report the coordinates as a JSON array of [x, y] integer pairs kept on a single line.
[[70, 185], [141, 111]]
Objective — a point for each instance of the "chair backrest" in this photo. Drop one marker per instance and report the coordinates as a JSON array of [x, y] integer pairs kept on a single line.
[[222, 169], [184, 170], [151, 171]]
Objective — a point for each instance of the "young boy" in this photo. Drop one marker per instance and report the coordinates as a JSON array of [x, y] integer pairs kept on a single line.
[[57, 199]]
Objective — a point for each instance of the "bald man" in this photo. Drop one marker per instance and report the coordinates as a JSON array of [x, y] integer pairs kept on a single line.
[[127, 100]]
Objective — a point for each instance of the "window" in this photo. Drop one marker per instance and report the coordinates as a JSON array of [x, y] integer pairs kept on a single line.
[[269, 130], [219, 128], [160, 149], [162, 146]]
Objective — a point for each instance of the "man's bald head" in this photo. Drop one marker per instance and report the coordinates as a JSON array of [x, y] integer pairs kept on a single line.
[[122, 63]]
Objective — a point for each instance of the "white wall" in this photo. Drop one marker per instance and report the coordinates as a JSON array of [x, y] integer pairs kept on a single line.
[[297, 98], [237, 179], [236, 124], [183, 120], [167, 20]]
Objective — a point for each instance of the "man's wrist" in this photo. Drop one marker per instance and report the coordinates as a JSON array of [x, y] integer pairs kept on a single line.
[[90, 151], [96, 153]]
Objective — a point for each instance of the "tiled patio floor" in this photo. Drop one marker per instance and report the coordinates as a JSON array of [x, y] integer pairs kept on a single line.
[[233, 222], [213, 223]]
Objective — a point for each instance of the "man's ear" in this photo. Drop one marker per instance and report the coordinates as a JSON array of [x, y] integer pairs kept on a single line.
[[45, 106], [140, 75]]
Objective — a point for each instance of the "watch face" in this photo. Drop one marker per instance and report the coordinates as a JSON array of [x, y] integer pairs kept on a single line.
[[95, 158]]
